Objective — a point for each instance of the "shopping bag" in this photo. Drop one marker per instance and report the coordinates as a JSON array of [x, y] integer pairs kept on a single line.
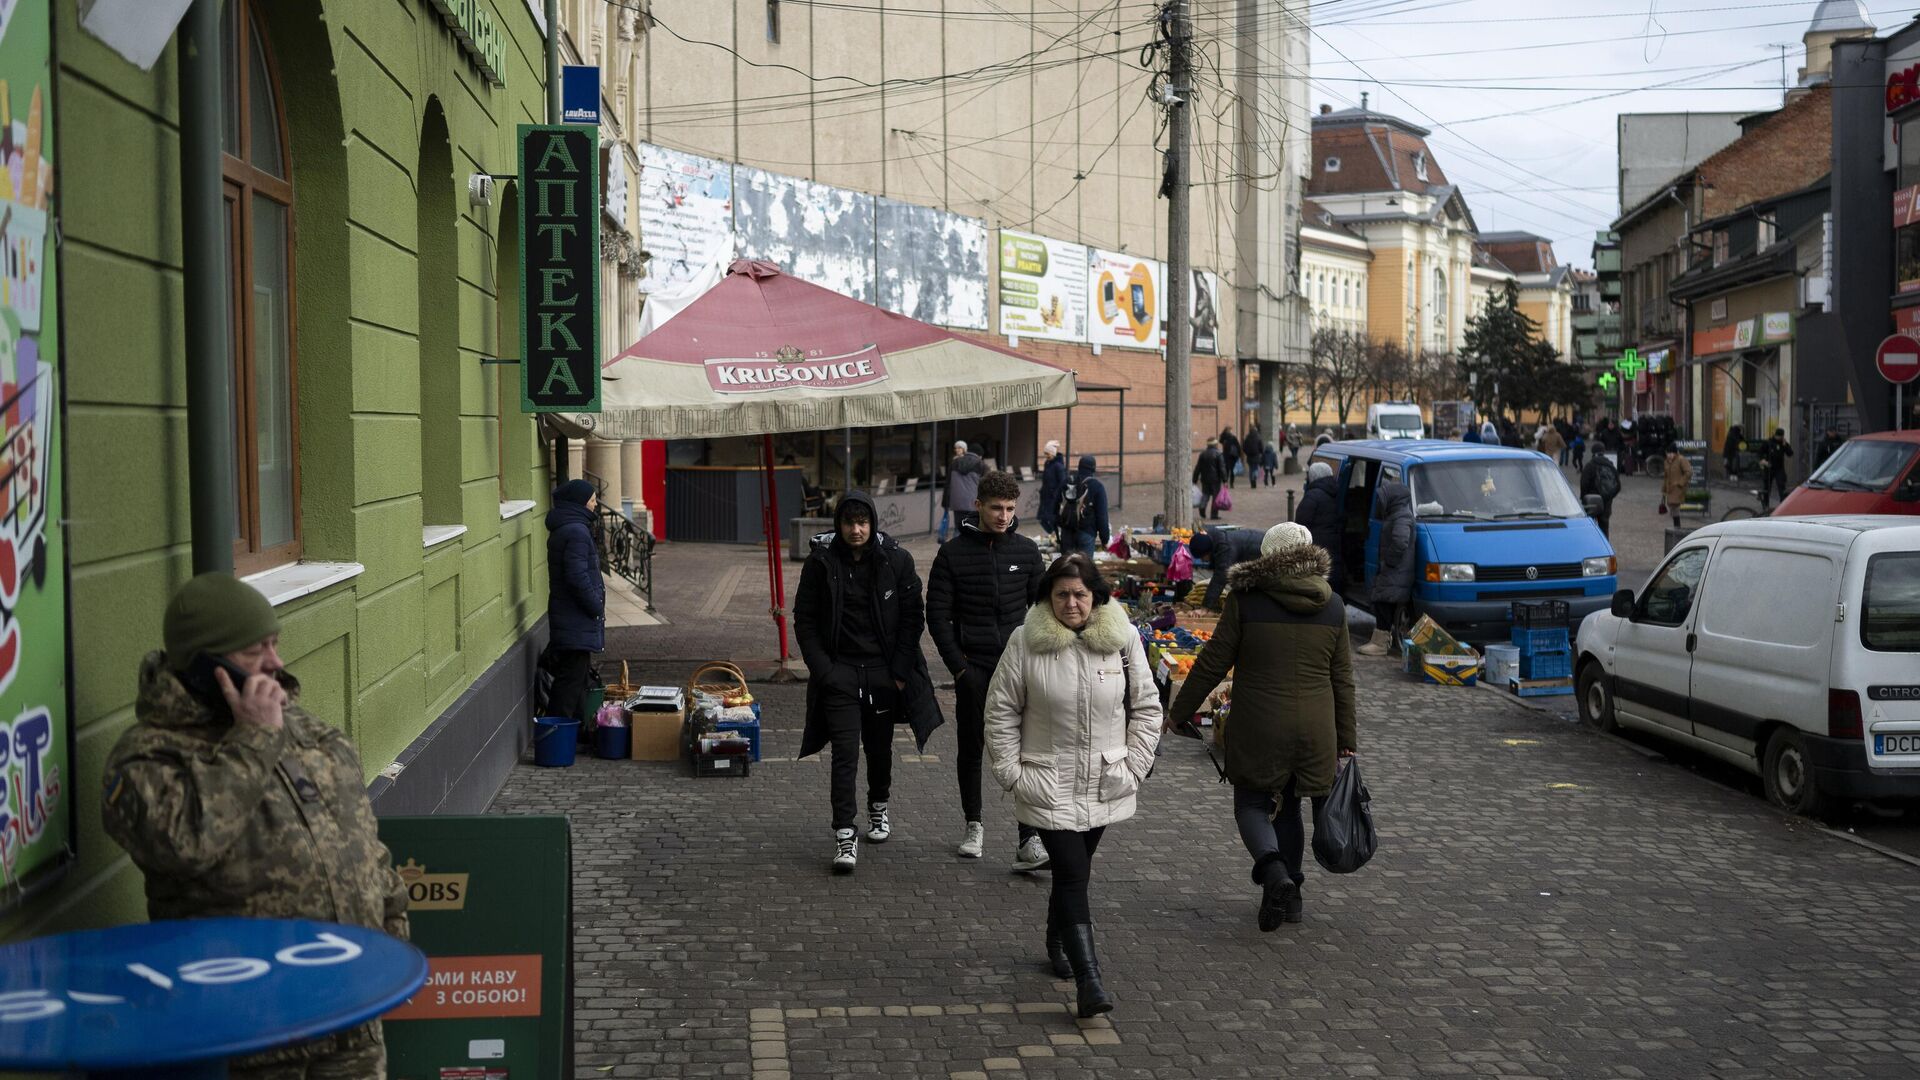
[[1343, 836], [1118, 549], [1181, 566], [1223, 501], [1199, 499]]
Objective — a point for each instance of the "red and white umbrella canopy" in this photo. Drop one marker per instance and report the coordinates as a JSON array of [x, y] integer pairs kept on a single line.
[[764, 353]]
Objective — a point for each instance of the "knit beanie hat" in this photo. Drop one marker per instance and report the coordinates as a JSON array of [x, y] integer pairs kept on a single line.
[[215, 613], [1284, 537], [1319, 470], [573, 491], [1201, 544]]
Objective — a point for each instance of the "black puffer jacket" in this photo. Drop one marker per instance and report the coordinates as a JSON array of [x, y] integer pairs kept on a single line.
[[978, 593], [1399, 544], [1230, 546], [1319, 511], [899, 614], [576, 594]]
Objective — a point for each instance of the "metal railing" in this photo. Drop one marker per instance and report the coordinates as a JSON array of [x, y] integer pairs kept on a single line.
[[625, 548]]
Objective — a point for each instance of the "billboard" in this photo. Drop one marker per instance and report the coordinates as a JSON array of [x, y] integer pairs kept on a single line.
[[1124, 300], [1203, 312], [686, 215], [817, 233], [1043, 287], [932, 264]]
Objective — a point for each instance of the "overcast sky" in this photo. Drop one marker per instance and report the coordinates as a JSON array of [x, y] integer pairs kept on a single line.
[[1513, 89]]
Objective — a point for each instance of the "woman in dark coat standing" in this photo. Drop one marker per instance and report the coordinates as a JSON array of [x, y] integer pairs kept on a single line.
[[1393, 585], [1284, 634], [576, 598], [858, 616]]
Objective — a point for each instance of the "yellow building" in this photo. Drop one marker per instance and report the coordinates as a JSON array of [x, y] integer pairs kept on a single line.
[[1546, 287]]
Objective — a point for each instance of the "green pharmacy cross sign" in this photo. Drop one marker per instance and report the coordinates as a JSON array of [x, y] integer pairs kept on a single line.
[[1630, 363], [1607, 380]]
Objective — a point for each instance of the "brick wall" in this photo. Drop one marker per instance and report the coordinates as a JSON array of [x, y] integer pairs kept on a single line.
[[1786, 152]]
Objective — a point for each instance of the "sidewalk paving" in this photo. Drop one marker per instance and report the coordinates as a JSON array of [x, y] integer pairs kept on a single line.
[[1545, 903]]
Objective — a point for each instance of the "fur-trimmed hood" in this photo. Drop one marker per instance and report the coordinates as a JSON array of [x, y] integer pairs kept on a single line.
[[1106, 631], [1297, 577]]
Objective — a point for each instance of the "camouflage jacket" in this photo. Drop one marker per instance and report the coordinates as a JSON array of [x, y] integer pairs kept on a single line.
[[236, 819]]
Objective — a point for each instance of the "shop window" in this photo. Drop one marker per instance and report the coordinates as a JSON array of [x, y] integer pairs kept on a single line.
[[1909, 139], [1906, 258], [258, 195]]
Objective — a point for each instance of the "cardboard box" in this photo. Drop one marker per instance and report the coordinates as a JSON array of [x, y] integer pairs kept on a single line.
[[656, 734], [1448, 670]]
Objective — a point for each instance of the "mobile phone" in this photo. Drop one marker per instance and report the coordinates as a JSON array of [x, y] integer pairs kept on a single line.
[[1140, 303], [199, 679], [1108, 304]]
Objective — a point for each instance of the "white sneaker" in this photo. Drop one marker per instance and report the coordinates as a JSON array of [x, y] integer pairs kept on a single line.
[[846, 851], [974, 842], [1031, 856], [878, 826]]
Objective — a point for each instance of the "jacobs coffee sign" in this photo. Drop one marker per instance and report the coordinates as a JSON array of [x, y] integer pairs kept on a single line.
[[559, 268]]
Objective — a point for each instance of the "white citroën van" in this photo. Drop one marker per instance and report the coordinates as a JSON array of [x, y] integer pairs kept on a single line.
[[1787, 646]]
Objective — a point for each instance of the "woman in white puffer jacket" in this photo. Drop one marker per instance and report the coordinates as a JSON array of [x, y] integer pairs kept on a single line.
[[1072, 722]]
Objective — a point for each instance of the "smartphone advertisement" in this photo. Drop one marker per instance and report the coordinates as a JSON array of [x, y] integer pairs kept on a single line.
[[1126, 300]]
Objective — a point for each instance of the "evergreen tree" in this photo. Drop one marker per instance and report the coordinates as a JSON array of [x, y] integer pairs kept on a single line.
[[1501, 357]]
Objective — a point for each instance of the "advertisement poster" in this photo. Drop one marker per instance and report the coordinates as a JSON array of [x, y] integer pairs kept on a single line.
[[1043, 287], [1124, 298], [36, 805], [686, 215], [933, 264], [817, 233], [1203, 312]]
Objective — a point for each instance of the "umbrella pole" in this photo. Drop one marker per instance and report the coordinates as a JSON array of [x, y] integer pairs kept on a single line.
[[776, 575]]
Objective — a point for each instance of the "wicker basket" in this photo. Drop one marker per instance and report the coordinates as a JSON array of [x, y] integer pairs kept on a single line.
[[625, 688], [719, 679]]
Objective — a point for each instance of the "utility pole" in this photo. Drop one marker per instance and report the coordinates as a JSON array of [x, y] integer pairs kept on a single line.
[[1177, 92]]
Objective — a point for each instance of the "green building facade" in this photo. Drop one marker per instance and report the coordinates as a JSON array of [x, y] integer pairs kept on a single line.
[[391, 495]]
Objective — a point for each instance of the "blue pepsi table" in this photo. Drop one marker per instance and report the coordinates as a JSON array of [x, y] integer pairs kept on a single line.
[[176, 999]]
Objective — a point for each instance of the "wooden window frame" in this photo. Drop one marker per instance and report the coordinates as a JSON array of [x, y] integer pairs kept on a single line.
[[242, 182]]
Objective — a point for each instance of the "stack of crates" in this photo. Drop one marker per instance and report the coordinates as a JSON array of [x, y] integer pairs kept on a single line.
[[1540, 632]]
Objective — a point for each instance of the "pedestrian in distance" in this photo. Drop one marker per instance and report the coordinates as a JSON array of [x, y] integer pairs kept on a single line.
[[1490, 434], [1830, 440], [1082, 510], [1284, 635], [978, 592], [1230, 453], [1472, 434], [1553, 445], [1270, 462], [1223, 549], [1073, 719], [1675, 478], [1601, 478], [1392, 588], [1255, 451], [1730, 451], [1577, 449], [858, 615], [1774, 461], [1319, 512], [1209, 472], [1053, 480], [235, 801], [963, 485], [576, 599]]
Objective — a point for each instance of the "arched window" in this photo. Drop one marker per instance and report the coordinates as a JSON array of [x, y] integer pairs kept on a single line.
[[1439, 301], [257, 166]]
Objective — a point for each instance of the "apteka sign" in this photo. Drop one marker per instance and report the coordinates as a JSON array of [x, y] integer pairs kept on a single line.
[[790, 367], [559, 268]]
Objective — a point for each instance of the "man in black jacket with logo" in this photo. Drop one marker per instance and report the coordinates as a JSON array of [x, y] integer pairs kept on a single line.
[[858, 616], [977, 595]]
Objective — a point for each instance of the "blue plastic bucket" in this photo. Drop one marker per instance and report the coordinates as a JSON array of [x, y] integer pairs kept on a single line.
[[553, 739], [613, 742]]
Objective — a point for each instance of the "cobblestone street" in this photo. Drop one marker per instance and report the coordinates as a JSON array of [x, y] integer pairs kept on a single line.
[[1546, 902]]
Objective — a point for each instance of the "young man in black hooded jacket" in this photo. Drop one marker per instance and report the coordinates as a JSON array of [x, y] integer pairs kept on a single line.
[[858, 615], [978, 593]]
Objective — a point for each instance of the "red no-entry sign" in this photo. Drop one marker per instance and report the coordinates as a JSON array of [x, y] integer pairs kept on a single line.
[[1898, 359]]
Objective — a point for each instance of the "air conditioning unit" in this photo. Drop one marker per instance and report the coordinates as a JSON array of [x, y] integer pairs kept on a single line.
[[1813, 290]]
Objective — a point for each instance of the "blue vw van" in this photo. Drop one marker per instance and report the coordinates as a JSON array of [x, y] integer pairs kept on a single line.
[[1494, 525]]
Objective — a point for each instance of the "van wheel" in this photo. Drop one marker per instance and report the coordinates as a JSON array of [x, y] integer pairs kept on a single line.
[[1596, 702], [1788, 776]]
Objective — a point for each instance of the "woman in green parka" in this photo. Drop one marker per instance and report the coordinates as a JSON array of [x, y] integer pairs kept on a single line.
[[1284, 635]]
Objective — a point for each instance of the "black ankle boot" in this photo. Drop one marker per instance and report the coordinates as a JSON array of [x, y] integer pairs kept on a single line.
[[1057, 952], [1093, 998], [1277, 892]]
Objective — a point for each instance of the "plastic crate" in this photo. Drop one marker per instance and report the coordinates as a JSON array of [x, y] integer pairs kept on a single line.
[[1539, 687], [1551, 639], [749, 728], [1546, 664], [721, 765], [1542, 614]]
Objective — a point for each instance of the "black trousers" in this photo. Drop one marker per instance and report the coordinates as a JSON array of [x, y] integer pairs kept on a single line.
[[1771, 480], [1207, 509], [1267, 834], [1071, 854], [570, 668], [970, 702], [1231, 462], [861, 705]]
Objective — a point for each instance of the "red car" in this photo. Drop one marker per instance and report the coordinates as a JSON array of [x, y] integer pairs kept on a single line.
[[1869, 474]]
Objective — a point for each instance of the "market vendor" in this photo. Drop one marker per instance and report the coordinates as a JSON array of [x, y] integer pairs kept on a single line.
[[1223, 548]]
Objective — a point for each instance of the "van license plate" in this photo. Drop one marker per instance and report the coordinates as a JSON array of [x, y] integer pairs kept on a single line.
[[1897, 744]]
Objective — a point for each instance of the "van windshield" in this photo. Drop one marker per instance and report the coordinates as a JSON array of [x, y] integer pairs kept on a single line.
[[1892, 622], [1863, 465], [1491, 490], [1399, 423]]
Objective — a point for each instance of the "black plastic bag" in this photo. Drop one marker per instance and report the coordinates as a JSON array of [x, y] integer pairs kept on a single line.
[[1343, 836]]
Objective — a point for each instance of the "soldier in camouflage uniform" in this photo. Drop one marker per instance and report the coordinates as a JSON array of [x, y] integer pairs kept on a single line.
[[233, 800]]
